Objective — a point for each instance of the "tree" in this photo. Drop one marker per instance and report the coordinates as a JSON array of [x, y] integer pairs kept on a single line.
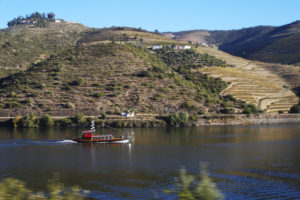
[[51, 15], [37, 15], [29, 121], [16, 120], [79, 118], [46, 121]]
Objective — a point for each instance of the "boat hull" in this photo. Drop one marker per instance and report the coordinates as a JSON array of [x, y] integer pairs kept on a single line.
[[121, 141]]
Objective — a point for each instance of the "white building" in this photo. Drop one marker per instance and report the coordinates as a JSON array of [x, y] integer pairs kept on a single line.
[[155, 47], [187, 47], [182, 47], [58, 21]]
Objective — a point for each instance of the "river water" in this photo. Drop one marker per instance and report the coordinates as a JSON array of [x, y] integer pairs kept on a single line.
[[246, 162]]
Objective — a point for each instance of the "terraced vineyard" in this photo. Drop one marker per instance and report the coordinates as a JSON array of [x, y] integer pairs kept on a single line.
[[265, 85]]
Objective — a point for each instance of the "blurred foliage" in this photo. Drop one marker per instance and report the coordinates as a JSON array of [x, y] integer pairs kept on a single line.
[[190, 187], [178, 119], [46, 121], [14, 189], [295, 108]]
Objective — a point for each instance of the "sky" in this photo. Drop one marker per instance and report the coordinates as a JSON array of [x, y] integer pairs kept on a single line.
[[161, 15]]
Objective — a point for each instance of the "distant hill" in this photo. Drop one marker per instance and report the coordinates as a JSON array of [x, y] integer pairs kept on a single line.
[[264, 43]]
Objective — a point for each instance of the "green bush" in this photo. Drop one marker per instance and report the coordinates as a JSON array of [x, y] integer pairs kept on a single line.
[[79, 118], [227, 111], [41, 86], [29, 121], [67, 88], [46, 121], [68, 105], [145, 73], [190, 187], [14, 189], [188, 105], [76, 82], [249, 109], [27, 101], [99, 94], [178, 119], [13, 104], [113, 86], [295, 109], [157, 97], [63, 122]]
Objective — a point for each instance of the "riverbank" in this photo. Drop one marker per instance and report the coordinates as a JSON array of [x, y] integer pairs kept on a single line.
[[242, 119], [144, 120]]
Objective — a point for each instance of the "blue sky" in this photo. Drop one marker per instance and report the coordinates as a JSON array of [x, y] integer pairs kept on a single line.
[[163, 15]]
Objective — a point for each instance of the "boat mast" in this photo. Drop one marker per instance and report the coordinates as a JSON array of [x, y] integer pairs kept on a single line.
[[93, 126]]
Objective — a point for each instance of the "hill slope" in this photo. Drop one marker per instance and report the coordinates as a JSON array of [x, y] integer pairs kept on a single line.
[[67, 68], [265, 85], [263, 43], [111, 78], [21, 45]]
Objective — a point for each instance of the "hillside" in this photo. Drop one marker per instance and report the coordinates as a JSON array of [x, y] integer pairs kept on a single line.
[[66, 68], [262, 84], [21, 45], [263, 43], [111, 78]]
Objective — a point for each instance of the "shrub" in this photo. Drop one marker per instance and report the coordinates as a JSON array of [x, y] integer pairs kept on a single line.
[[96, 85], [188, 105], [64, 122], [46, 121], [157, 96], [79, 118], [41, 86], [12, 104], [76, 82], [145, 73], [11, 188], [196, 187], [13, 95], [99, 94], [27, 101], [295, 109], [227, 104], [67, 88], [227, 111], [35, 94], [249, 109], [29, 121], [16, 120], [113, 86], [178, 119]]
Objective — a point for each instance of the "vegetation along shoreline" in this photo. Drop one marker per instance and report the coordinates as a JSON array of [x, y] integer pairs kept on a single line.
[[181, 119]]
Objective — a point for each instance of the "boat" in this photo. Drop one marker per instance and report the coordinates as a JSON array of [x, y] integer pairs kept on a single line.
[[90, 137]]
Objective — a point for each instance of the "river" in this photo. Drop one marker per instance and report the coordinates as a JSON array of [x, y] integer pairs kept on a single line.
[[246, 162]]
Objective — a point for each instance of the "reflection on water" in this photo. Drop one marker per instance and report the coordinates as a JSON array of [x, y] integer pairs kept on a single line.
[[246, 162]]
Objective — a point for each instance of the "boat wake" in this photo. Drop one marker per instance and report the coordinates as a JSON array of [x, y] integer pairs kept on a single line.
[[23, 142]]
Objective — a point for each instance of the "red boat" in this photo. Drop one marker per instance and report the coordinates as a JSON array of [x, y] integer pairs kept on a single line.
[[89, 137]]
